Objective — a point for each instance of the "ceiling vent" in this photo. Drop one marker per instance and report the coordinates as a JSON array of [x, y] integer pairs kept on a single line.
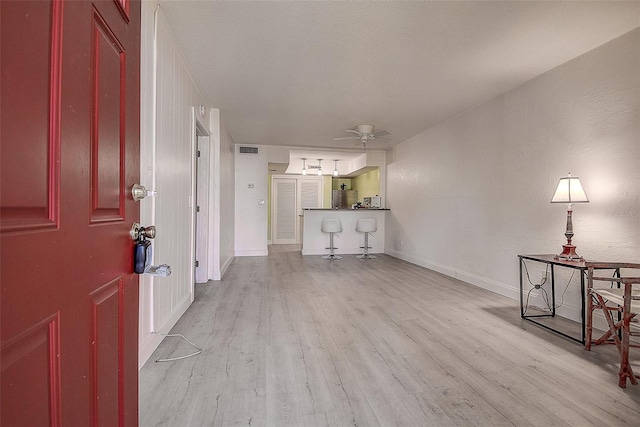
[[248, 150]]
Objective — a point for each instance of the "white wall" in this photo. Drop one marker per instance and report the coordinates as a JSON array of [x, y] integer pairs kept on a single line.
[[227, 198], [470, 194], [222, 202], [168, 97], [250, 216]]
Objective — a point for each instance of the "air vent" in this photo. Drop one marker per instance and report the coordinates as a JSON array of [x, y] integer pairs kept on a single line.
[[249, 150]]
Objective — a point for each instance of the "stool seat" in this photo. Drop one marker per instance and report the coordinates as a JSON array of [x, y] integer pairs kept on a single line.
[[366, 226], [331, 226]]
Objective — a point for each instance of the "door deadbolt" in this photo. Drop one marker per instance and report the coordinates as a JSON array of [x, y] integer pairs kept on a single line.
[[137, 231], [139, 192]]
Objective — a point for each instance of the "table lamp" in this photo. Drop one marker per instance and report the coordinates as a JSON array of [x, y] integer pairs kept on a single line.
[[569, 191]]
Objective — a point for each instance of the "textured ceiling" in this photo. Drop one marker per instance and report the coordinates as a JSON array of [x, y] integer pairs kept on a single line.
[[300, 73]]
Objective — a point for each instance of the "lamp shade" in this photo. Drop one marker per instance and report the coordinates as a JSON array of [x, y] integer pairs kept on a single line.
[[569, 190]]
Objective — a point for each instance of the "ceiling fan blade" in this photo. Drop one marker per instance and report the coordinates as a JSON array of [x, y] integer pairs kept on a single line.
[[353, 131], [383, 132], [346, 137]]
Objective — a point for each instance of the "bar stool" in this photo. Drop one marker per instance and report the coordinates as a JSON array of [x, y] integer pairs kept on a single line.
[[331, 226], [366, 226]]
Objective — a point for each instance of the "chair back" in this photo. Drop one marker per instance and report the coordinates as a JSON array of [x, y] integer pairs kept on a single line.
[[366, 225], [331, 225], [623, 284]]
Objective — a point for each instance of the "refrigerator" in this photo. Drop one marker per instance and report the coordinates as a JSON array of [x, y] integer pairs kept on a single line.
[[343, 199]]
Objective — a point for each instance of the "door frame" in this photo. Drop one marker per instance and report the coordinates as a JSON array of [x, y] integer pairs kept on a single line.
[[201, 230]]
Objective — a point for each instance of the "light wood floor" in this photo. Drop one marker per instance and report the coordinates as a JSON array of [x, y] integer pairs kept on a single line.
[[293, 340]]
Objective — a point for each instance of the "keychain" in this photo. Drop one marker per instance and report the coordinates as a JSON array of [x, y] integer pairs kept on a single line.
[[141, 254]]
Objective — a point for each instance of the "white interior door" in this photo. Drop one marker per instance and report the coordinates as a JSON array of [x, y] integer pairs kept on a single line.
[[290, 196], [285, 212]]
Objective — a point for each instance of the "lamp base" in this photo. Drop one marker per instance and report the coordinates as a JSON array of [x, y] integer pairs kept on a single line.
[[569, 254]]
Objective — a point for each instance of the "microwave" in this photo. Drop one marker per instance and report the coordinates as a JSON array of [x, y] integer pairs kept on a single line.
[[372, 202]]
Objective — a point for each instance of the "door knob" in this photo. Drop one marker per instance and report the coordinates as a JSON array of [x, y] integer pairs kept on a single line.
[[137, 231], [139, 192]]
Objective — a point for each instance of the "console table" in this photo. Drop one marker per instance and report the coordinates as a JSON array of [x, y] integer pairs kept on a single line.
[[550, 260]]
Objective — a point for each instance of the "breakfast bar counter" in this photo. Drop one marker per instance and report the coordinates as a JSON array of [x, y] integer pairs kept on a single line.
[[315, 242]]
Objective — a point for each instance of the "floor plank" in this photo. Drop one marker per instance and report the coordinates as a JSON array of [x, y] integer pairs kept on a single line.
[[301, 341]]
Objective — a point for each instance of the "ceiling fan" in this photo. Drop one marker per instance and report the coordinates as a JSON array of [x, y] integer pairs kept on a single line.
[[364, 133]]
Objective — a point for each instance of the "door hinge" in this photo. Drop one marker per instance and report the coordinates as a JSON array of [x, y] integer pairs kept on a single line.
[[197, 264], [198, 153], [197, 208]]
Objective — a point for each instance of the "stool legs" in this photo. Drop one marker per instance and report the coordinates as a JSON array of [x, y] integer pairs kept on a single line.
[[331, 255], [366, 247]]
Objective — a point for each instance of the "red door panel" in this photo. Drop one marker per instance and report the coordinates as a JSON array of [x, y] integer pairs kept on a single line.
[[31, 43], [107, 131], [70, 152], [32, 354], [106, 355]]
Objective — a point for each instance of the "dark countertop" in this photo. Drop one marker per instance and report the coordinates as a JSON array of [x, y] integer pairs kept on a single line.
[[345, 209]]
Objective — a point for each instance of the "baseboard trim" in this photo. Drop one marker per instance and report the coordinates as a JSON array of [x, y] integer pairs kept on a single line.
[[252, 253], [448, 271], [147, 346], [340, 251], [152, 341], [567, 311], [481, 282], [218, 274]]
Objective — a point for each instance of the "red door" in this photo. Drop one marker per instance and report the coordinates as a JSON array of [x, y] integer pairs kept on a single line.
[[69, 155]]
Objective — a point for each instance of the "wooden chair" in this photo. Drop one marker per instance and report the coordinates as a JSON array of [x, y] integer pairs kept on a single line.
[[623, 297]]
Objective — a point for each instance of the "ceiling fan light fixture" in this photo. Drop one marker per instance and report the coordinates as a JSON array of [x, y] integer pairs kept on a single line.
[[319, 167], [335, 168], [363, 133], [304, 166], [364, 128]]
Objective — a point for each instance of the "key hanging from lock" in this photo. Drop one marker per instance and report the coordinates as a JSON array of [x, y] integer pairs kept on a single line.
[[141, 254], [142, 246]]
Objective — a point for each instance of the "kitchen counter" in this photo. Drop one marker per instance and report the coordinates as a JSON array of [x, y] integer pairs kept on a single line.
[[315, 242], [346, 209]]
